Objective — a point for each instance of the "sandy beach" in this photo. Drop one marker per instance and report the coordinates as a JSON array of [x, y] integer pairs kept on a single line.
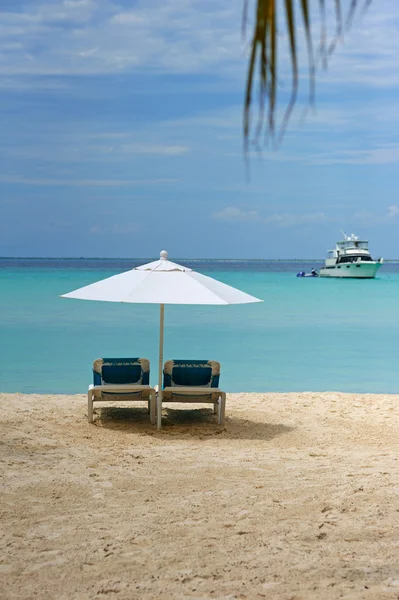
[[295, 498]]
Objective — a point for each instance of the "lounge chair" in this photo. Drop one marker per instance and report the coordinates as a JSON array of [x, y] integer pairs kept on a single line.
[[193, 381], [121, 379]]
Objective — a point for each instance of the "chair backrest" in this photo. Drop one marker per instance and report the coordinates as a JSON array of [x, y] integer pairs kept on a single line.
[[121, 370], [197, 373]]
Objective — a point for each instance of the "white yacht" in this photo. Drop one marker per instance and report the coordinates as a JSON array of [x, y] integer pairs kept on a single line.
[[351, 258]]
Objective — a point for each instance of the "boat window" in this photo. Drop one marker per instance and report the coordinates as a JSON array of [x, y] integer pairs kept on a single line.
[[353, 258]]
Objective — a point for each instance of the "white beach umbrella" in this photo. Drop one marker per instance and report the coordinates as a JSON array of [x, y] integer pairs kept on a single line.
[[162, 282]]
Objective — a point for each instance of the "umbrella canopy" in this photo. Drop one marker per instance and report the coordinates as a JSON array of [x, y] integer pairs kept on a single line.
[[162, 282]]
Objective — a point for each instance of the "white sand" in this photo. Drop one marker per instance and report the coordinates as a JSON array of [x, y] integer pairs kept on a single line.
[[295, 498]]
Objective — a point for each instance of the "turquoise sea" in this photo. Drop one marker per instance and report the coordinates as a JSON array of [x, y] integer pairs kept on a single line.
[[307, 335]]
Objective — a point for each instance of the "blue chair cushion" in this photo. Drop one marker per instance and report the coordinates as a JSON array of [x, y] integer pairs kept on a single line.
[[190, 373], [121, 371]]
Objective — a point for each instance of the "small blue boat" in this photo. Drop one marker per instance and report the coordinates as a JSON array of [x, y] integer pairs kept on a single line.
[[313, 273]]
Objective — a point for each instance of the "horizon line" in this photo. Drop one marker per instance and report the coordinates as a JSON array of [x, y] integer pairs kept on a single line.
[[175, 258]]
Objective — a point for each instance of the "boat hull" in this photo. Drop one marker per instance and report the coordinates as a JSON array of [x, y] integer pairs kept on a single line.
[[365, 270]]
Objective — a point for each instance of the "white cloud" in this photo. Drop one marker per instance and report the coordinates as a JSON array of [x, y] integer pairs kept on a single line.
[[89, 52], [389, 154], [126, 18], [153, 149], [35, 84], [369, 54], [232, 213], [393, 212], [291, 220], [74, 142], [185, 36], [97, 37], [372, 218], [72, 37], [117, 228], [83, 182], [235, 214]]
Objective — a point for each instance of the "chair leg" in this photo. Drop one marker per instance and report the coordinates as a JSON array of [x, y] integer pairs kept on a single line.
[[222, 408], [159, 411], [216, 407], [90, 406], [152, 404]]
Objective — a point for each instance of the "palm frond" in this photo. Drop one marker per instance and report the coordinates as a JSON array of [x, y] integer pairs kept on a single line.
[[263, 67]]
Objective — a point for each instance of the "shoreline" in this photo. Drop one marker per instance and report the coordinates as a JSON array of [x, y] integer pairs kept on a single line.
[[81, 394], [295, 497]]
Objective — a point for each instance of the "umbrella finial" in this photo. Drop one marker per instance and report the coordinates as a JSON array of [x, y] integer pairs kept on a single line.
[[163, 255]]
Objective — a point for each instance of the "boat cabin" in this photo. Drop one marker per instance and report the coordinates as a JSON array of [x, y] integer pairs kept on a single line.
[[349, 250]]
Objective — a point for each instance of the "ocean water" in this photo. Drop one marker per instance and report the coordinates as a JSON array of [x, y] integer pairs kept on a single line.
[[307, 335]]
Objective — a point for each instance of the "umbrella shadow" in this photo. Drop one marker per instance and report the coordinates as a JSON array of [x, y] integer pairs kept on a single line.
[[187, 423]]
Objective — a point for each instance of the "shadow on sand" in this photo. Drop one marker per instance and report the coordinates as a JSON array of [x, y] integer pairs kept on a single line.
[[183, 423]]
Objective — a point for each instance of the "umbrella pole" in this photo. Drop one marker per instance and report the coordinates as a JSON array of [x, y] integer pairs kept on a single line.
[[160, 366]]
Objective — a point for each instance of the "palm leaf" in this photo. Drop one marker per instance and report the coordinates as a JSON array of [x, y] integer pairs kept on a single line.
[[263, 67]]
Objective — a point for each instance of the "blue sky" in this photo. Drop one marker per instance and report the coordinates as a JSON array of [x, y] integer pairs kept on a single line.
[[121, 135]]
